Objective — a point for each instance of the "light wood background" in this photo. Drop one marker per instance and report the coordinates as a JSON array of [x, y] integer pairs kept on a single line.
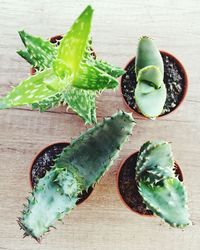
[[102, 222]]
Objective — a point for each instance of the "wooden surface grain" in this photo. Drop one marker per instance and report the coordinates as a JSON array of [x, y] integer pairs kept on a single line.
[[102, 222]]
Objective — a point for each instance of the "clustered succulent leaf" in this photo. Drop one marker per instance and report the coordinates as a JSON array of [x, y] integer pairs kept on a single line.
[[78, 167], [162, 191], [65, 73], [150, 92]]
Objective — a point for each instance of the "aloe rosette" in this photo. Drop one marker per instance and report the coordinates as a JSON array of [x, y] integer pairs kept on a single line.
[[78, 167], [162, 191], [65, 73], [150, 93]]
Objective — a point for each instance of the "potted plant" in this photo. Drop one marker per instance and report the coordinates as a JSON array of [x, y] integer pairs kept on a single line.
[[67, 73], [79, 166], [155, 83], [43, 162], [150, 182]]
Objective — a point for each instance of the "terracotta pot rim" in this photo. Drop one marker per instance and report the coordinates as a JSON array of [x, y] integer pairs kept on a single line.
[[185, 89], [117, 184], [38, 154]]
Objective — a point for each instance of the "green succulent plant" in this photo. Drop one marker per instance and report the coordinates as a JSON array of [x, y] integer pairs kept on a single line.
[[78, 167], [67, 73], [150, 92], [162, 191]]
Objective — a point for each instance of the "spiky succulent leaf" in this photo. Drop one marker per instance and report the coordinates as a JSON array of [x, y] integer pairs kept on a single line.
[[51, 102], [54, 196], [167, 200], [90, 77], [161, 190], [35, 89], [73, 46], [109, 69], [150, 92], [83, 102], [39, 52], [155, 159], [78, 167], [24, 54], [98, 147]]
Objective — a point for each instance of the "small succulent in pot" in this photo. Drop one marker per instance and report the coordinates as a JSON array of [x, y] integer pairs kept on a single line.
[[159, 185], [67, 73], [155, 82], [76, 169], [150, 92]]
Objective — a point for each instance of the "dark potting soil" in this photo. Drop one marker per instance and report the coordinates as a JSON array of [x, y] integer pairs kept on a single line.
[[128, 186], [173, 79], [45, 161]]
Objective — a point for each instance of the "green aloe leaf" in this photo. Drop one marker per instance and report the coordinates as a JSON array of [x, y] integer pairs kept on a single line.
[[83, 102], [35, 89], [109, 69], [39, 52], [167, 200], [90, 77], [73, 45]]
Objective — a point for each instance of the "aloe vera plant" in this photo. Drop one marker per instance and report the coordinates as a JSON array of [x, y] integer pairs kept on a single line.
[[67, 73], [78, 167], [162, 191], [150, 92]]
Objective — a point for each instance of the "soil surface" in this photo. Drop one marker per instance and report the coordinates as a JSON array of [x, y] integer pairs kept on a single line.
[[173, 79], [128, 186], [44, 162]]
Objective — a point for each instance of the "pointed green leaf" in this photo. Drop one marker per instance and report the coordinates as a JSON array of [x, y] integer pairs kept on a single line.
[[109, 69], [41, 52], [36, 88], [167, 201], [90, 77], [51, 102], [24, 54], [73, 45], [83, 102]]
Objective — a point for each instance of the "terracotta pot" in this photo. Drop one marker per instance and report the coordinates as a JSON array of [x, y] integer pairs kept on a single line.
[[185, 89], [136, 193], [84, 195]]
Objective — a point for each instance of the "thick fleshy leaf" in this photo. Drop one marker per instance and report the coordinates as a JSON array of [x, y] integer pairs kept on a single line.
[[24, 54], [40, 52], [90, 77], [109, 69], [73, 45], [151, 75], [51, 102], [83, 102], [167, 200], [35, 89], [150, 102], [156, 160], [148, 54]]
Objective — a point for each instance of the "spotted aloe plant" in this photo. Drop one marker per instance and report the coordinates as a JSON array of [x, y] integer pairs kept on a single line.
[[150, 92], [78, 167], [162, 191], [67, 73]]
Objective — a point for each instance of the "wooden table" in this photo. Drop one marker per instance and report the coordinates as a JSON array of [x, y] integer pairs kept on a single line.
[[102, 222]]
